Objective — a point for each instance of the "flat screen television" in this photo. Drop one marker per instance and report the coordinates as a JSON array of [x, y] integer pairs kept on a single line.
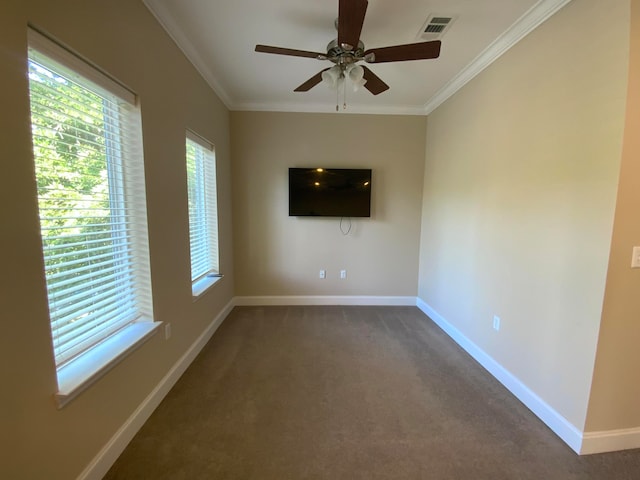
[[329, 192]]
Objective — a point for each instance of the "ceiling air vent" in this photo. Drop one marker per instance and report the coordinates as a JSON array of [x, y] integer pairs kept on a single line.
[[435, 27]]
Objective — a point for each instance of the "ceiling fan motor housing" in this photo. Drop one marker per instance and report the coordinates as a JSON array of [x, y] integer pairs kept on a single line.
[[338, 55]]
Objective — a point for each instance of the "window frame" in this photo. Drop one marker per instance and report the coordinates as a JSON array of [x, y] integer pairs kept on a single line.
[[204, 187], [77, 372]]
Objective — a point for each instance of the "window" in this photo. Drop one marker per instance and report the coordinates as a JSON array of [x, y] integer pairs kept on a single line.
[[203, 212], [89, 171]]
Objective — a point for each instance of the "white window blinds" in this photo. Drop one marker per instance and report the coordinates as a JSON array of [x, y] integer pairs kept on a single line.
[[91, 197], [203, 207]]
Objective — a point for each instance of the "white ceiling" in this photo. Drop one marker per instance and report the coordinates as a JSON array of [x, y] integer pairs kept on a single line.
[[219, 37]]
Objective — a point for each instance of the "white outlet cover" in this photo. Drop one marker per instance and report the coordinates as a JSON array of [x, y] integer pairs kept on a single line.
[[635, 258]]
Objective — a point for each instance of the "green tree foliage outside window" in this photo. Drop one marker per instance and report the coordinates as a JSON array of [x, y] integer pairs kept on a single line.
[[79, 197]]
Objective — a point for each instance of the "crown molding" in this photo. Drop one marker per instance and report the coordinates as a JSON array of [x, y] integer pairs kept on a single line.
[[165, 20], [535, 16], [329, 108]]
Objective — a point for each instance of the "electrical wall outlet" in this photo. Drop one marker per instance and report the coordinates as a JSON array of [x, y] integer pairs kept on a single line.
[[635, 258], [343, 274], [167, 331], [496, 323], [323, 274]]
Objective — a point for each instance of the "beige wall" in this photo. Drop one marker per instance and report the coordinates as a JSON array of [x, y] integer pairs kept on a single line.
[[122, 38], [281, 255], [615, 396], [519, 196]]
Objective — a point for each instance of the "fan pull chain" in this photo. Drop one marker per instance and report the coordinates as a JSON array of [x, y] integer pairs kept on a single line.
[[344, 94], [337, 98]]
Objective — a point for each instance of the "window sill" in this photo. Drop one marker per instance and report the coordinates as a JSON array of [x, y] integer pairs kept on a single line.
[[79, 374], [200, 286]]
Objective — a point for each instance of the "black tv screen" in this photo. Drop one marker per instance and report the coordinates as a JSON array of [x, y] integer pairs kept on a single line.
[[329, 192]]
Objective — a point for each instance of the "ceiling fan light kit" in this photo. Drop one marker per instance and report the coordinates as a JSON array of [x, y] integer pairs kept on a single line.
[[335, 76], [347, 50]]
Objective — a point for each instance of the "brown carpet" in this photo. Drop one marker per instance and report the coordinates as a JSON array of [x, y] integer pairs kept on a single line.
[[347, 393]]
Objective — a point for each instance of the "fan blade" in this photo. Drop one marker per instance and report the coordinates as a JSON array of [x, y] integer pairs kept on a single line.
[[350, 19], [374, 84], [290, 51], [401, 53], [312, 82]]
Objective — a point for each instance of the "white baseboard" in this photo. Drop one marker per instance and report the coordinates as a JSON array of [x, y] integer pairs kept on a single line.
[[571, 435], [324, 300], [610, 441], [112, 450]]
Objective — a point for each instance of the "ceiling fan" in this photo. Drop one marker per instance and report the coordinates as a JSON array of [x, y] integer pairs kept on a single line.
[[347, 50]]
